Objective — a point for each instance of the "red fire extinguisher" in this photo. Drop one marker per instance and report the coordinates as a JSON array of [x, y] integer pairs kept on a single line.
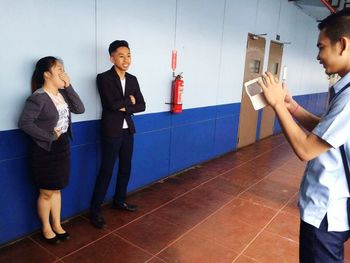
[[177, 91]]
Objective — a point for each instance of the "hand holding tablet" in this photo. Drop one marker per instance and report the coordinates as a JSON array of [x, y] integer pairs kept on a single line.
[[255, 93]]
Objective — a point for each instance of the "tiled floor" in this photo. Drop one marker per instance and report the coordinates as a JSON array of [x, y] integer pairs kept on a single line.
[[238, 208]]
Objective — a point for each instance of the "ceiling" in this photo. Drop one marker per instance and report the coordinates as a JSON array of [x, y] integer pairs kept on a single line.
[[315, 8]]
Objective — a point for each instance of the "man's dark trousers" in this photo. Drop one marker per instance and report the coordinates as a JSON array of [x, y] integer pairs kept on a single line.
[[316, 245], [113, 148]]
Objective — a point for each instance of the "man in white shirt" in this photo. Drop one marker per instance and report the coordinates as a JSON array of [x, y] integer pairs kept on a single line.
[[324, 192]]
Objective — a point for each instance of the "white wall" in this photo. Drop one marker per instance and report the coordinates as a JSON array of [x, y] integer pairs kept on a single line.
[[210, 37], [149, 27], [305, 75], [239, 20], [33, 29]]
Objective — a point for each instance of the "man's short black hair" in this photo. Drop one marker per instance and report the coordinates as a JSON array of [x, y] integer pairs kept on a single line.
[[336, 25], [116, 44]]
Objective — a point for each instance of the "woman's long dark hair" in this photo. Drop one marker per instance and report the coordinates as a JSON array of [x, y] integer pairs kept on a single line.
[[43, 65]]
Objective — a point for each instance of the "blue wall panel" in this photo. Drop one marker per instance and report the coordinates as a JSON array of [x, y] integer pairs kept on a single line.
[[228, 109], [150, 159], [87, 132], [13, 143], [152, 122], [191, 144], [17, 200], [226, 128], [258, 125], [226, 134], [194, 115], [77, 195]]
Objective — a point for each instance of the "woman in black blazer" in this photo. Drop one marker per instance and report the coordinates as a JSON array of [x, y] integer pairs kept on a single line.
[[46, 117]]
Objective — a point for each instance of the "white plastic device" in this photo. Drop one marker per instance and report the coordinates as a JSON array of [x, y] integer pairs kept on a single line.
[[255, 93], [284, 74]]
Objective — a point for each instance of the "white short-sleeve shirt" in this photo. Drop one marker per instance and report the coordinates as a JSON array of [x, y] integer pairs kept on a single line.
[[324, 187]]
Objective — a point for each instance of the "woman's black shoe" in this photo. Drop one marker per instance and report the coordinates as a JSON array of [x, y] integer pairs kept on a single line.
[[52, 241], [63, 237]]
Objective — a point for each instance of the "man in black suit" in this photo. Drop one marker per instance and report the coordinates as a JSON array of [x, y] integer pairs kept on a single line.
[[120, 97]]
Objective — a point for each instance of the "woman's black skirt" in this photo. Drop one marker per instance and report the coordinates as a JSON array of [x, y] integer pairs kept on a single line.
[[51, 169]]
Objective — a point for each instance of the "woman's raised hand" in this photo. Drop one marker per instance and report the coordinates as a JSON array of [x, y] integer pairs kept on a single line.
[[65, 78]]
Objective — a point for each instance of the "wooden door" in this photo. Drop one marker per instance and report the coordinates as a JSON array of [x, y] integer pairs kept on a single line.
[[274, 66], [253, 68]]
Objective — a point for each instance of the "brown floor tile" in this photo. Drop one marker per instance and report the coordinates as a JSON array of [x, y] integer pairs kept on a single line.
[[211, 198], [270, 248], [244, 259], [261, 147], [260, 170], [232, 159], [249, 212], [173, 186], [146, 199], [220, 185], [155, 260], [194, 177], [110, 249], [244, 181], [81, 233], [25, 251], [285, 178], [183, 213], [193, 248], [284, 148], [285, 225], [231, 233], [246, 175], [151, 233], [117, 218], [221, 165], [248, 153], [195, 206], [292, 206], [347, 251], [271, 159], [294, 166], [270, 193]]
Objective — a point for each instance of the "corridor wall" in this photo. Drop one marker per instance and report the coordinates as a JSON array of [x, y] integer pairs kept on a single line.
[[210, 37]]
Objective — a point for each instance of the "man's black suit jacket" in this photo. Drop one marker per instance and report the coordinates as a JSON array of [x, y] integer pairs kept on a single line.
[[113, 99]]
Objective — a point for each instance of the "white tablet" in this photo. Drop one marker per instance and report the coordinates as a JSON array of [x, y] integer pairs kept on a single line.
[[255, 93]]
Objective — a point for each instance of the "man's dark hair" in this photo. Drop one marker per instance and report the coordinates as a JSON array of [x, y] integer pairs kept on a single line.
[[116, 44], [336, 25]]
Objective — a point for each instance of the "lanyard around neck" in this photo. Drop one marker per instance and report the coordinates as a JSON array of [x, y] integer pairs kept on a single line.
[[339, 92]]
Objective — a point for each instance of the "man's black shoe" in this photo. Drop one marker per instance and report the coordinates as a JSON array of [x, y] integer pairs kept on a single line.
[[98, 221], [125, 206]]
